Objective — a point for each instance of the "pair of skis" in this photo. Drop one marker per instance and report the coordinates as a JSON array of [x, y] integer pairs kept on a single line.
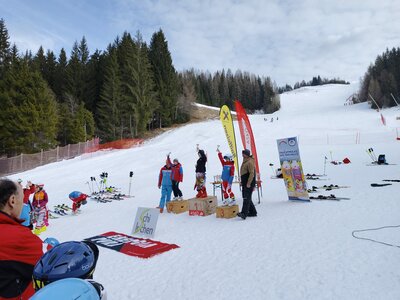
[[61, 210], [325, 187], [329, 197]]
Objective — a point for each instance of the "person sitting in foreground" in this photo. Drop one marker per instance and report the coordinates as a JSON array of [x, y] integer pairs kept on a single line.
[[19, 248]]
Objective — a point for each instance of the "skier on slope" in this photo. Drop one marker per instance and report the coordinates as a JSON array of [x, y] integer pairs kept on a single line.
[[177, 176], [201, 175], [165, 184], [228, 172], [39, 204], [78, 199]]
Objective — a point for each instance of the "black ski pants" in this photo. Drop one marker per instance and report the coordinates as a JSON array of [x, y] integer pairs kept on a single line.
[[175, 189], [248, 208]]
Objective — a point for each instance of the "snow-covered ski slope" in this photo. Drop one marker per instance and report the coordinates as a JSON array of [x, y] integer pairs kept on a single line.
[[291, 250]]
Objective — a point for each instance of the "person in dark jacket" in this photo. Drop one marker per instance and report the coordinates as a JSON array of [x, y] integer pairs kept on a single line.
[[201, 175], [248, 182], [20, 249]]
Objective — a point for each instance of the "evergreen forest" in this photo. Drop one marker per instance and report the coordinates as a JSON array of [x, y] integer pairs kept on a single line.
[[130, 88], [381, 82]]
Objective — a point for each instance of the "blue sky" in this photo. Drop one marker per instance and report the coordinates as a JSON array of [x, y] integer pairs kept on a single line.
[[287, 40]]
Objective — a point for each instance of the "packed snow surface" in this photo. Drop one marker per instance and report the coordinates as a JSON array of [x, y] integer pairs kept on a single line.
[[291, 250]]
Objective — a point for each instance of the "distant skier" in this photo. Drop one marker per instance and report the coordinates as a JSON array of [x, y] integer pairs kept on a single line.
[[78, 199], [177, 176], [228, 172], [201, 174], [39, 204], [165, 183]]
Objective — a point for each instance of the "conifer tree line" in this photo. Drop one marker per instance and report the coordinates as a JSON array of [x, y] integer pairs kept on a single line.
[[316, 80], [255, 93], [50, 99], [382, 80]]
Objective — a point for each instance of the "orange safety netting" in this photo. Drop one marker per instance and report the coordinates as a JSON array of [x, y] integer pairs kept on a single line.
[[120, 144]]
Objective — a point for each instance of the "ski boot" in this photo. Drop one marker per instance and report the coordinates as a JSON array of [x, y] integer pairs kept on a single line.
[[203, 192], [232, 201]]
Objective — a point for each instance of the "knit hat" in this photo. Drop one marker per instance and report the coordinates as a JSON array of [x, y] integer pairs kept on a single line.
[[246, 152]]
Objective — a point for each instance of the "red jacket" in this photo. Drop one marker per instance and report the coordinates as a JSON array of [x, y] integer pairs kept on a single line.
[[177, 171], [28, 192], [20, 249]]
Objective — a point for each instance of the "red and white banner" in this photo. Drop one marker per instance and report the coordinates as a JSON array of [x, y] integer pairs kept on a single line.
[[247, 136], [129, 245]]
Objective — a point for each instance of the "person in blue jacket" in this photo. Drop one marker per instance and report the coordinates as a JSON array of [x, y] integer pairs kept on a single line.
[[165, 184]]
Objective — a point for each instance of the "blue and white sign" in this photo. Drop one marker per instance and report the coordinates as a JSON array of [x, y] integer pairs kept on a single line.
[[292, 170]]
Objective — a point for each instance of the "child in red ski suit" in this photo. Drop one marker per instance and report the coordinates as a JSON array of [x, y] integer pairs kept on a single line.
[[78, 199], [39, 204], [228, 172]]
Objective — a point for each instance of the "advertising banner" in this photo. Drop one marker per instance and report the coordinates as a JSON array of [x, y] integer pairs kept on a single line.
[[247, 136], [145, 222], [292, 170], [227, 123], [129, 245]]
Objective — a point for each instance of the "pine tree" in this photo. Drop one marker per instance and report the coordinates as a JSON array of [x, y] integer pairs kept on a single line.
[[29, 112], [61, 80], [108, 107], [39, 61], [145, 103], [165, 78], [5, 50]]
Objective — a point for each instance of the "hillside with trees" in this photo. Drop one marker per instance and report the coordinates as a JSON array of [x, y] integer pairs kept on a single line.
[[317, 80], [130, 88], [382, 80]]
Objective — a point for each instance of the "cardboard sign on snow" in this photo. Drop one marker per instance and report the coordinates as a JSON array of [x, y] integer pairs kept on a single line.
[[129, 245], [145, 222]]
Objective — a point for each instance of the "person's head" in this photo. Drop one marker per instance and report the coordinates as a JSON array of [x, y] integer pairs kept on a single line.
[[175, 161], [19, 180], [201, 153], [11, 198], [167, 164], [66, 260], [228, 157], [246, 153], [39, 187]]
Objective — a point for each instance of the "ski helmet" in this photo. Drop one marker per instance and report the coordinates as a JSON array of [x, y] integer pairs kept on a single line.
[[51, 241], [228, 156], [66, 260], [69, 288]]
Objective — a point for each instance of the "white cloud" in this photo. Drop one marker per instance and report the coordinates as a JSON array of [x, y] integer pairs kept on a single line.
[[286, 40]]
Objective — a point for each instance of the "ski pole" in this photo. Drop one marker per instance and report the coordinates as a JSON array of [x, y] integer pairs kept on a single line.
[[369, 154], [272, 168], [94, 179], [130, 182], [373, 153], [90, 190]]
